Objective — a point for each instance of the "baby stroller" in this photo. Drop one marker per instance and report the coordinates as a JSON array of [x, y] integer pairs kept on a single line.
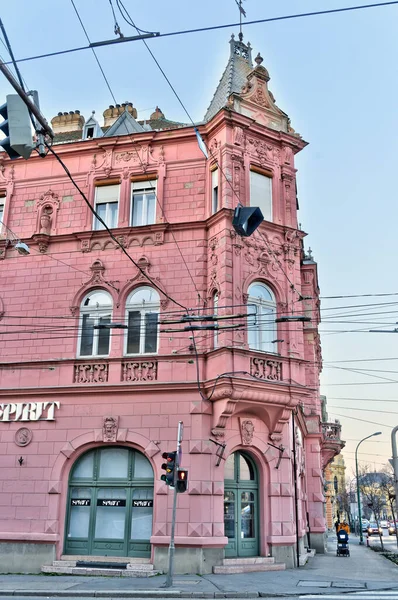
[[343, 548]]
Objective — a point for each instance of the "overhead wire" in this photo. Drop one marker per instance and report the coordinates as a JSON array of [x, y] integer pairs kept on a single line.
[[223, 26]]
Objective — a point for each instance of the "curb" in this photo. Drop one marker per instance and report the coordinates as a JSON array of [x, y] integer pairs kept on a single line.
[[159, 593]]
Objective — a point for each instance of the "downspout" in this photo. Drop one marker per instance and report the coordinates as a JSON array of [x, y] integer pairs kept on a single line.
[[295, 491]]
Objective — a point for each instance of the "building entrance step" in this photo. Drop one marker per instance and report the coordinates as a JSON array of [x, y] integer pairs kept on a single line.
[[106, 566]]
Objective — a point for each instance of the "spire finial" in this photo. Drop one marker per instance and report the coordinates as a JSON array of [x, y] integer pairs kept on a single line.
[[241, 12]]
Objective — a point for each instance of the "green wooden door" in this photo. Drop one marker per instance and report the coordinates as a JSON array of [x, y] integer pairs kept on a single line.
[[110, 504], [241, 506]]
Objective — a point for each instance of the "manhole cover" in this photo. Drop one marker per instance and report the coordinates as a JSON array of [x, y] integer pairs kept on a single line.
[[320, 584]]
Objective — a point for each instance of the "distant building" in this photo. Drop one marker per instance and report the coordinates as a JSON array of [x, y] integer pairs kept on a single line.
[[337, 499], [97, 366]]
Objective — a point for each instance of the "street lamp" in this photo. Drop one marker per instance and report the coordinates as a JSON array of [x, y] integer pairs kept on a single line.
[[358, 494]]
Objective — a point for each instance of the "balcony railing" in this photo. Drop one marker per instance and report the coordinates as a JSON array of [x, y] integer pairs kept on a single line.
[[331, 431]]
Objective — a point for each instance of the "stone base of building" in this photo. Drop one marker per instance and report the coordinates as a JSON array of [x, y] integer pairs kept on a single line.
[[285, 554], [25, 557], [318, 542], [189, 560]]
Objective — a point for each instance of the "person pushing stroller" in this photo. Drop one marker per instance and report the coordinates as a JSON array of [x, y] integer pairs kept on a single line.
[[343, 531]]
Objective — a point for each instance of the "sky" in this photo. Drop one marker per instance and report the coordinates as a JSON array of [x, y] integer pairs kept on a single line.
[[336, 77]]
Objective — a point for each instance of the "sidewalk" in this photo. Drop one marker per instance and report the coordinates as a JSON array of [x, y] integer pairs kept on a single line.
[[327, 574]]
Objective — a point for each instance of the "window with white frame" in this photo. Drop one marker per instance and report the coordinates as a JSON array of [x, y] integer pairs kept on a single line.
[[215, 312], [214, 191], [261, 193], [106, 205], [143, 203], [2, 204], [95, 315], [261, 324], [142, 308]]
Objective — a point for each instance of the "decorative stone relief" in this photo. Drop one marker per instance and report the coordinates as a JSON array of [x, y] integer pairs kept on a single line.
[[247, 431], [239, 138], [263, 150], [47, 209], [91, 373], [23, 436], [110, 428], [139, 371], [270, 370]]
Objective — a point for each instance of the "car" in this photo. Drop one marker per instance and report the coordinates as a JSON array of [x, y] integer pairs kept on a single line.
[[383, 524], [365, 525], [392, 528], [373, 529]]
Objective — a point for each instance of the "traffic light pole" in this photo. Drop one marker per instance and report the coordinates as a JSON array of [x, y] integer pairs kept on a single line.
[[169, 578]]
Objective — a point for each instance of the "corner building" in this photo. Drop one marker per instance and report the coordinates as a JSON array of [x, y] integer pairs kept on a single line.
[[87, 410]]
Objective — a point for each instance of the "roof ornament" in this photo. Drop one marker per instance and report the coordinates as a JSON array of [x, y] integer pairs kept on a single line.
[[242, 12]]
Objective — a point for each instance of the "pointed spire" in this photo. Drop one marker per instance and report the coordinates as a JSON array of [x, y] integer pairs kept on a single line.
[[234, 77]]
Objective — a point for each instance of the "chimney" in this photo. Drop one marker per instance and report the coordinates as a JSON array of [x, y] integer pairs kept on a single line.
[[156, 115], [67, 121], [112, 113]]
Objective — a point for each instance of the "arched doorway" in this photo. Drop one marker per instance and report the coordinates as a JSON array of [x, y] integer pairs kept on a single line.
[[110, 504], [241, 525]]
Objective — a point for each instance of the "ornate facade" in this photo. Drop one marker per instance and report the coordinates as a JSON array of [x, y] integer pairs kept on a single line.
[[94, 375]]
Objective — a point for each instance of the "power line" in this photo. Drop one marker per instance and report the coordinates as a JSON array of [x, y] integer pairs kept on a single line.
[[388, 412], [362, 420], [216, 27]]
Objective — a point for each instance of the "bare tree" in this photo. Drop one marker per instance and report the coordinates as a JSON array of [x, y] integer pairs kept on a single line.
[[374, 495]]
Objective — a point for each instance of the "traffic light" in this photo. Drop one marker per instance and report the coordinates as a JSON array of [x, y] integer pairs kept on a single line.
[[182, 481], [246, 220], [169, 467], [16, 127]]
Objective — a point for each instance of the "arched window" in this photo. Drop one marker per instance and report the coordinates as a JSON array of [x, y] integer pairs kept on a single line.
[[95, 311], [261, 320], [142, 307]]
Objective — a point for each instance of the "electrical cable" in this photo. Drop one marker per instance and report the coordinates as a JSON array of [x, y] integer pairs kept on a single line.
[[362, 420], [97, 216], [216, 27]]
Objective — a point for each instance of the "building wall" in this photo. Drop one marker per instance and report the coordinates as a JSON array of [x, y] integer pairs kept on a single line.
[[148, 395]]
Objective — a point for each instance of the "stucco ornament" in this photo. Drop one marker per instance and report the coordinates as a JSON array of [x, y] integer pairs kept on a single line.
[[247, 431], [110, 428], [23, 436]]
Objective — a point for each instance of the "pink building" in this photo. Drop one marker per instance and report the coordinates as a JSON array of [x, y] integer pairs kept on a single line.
[[87, 410]]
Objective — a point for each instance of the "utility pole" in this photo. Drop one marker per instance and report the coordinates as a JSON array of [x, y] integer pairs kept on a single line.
[[169, 578]]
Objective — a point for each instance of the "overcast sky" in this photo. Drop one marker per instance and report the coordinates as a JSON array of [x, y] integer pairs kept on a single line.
[[336, 77]]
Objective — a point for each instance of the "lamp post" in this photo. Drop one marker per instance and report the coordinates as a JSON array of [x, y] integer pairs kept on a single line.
[[358, 493]]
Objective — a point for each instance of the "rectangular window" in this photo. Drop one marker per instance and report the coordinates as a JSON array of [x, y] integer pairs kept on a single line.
[[261, 193], [143, 203], [133, 333], [106, 205], [94, 342], [142, 334], [214, 191], [2, 204]]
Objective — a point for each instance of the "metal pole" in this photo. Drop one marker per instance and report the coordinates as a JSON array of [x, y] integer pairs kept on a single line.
[[358, 493], [295, 493], [395, 460], [169, 578]]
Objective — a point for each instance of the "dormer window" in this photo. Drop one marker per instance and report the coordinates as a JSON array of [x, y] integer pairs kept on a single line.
[[92, 129]]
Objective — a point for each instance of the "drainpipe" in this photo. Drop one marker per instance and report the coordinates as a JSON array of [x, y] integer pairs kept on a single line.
[[295, 492]]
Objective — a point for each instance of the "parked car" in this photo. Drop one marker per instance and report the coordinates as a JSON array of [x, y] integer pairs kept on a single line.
[[392, 528], [383, 524], [365, 525], [373, 529]]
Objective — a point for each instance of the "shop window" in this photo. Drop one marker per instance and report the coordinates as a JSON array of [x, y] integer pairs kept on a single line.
[[95, 314], [261, 324], [142, 308], [261, 193], [106, 205], [143, 203]]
